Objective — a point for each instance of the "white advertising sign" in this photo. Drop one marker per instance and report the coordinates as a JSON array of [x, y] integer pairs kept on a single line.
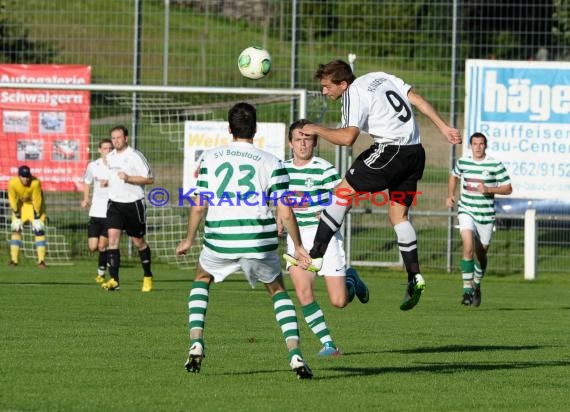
[[523, 107], [203, 135]]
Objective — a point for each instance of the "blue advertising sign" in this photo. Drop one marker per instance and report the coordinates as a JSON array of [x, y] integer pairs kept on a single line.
[[524, 110]]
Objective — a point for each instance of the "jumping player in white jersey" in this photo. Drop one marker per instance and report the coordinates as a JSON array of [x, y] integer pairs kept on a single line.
[[381, 105], [482, 178], [312, 180], [235, 184], [129, 173], [97, 175]]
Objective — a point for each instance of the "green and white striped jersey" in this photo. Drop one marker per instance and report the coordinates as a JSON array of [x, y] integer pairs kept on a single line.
[[238, 181], [491, 173], [312, 185]]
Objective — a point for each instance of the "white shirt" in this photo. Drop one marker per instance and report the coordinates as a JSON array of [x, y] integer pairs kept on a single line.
[[97, 173], [133, 163], [377, 103]]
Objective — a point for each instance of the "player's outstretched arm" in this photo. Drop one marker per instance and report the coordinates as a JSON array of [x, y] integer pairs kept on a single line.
[[86, 190], [37, 196], [135, 180], [450, 133], [451, 185], [345, 136], [13, 198], [287, 218], [499, 190], [194, 219]]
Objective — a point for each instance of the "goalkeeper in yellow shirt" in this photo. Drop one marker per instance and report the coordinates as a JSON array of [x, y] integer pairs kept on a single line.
[[27, 204]]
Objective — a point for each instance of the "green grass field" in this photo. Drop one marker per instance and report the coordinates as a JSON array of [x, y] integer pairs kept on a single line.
[[69, 346]]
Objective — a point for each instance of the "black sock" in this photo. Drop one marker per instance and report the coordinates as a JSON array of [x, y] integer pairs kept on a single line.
[[322, 239], [144, 256], [103, 260], [114, 259], [408, 245], [329, 223], [411, 263]]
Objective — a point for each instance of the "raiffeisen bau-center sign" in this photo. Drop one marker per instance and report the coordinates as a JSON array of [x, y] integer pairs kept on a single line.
[[523, 108]]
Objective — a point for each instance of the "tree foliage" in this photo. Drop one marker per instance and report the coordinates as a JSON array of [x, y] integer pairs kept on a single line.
[[562, 18], [412, 30], [507, 29], [16, 46]]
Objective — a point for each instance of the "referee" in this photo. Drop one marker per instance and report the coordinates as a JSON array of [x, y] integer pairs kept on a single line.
[[129, 172]]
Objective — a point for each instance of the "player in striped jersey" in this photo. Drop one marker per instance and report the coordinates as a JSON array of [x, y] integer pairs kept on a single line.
[[312, 180], [482, 178], [235, 183]]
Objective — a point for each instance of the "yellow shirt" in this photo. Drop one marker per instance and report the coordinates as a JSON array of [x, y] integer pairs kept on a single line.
[[18, 195]]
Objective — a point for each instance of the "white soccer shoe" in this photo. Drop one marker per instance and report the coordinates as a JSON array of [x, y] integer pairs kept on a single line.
[[300, 368], [195, 356]]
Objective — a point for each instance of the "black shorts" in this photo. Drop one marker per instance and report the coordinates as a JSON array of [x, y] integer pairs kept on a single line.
[[97, 227], [392, 167], [130, 217]]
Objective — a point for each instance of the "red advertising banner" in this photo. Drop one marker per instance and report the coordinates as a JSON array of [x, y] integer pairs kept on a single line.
[[47, 130]]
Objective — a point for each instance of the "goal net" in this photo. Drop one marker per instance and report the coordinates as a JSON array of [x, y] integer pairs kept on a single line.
[[57, 245]]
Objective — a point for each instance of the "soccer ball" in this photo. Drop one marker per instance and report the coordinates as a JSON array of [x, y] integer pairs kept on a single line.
[[254, 62]]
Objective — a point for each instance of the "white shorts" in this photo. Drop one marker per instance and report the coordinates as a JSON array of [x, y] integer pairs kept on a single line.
[[265, 270], [334, 261], [484, 232]]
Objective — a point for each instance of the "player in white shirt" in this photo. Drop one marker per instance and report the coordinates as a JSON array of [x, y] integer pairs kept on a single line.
[[482, 178], [236, 185], [97, 175], [129, 173], [312, 181], [381, 105]]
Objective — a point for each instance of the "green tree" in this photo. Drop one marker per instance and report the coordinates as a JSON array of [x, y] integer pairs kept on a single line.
[[561, 30], [378, 29], [16, 46], [507, 29]]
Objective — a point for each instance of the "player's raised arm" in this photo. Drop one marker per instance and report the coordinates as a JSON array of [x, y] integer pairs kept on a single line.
[[452, 135], [345, 136]]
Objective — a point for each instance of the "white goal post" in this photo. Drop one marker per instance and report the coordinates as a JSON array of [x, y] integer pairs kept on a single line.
[[300, 93]]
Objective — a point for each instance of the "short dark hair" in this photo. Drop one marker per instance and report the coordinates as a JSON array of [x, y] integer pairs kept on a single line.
[[478, 135], [121, 128], [298, 124], [243, 120], [337, 70], [103, 141]]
